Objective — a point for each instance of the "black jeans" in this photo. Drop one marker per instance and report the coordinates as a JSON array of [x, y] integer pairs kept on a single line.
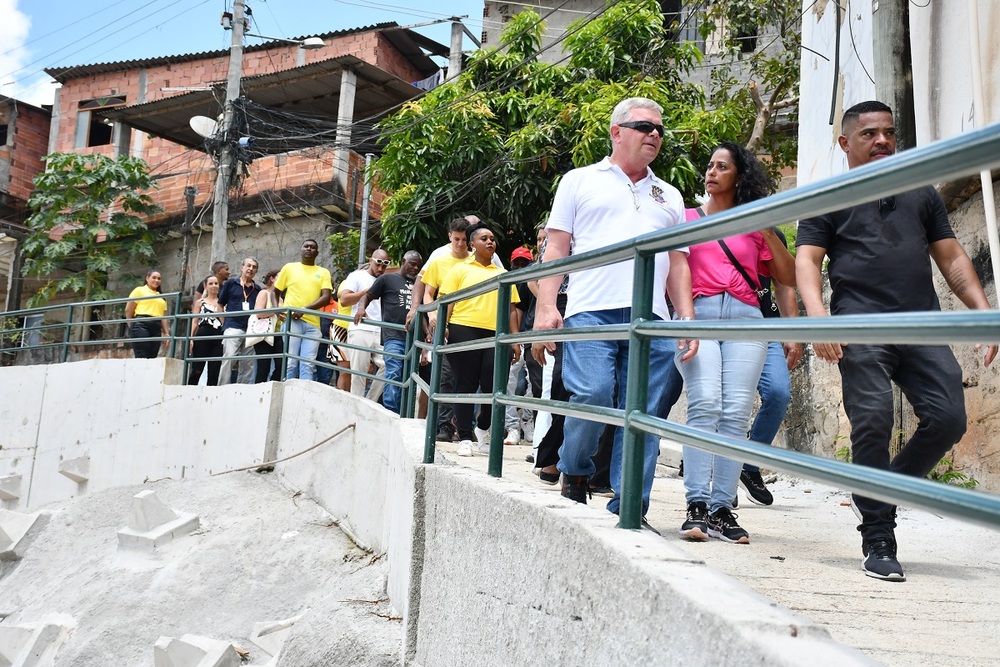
[[473, 370], [269, 369], [931, 380], [205, 348], [144, 327]]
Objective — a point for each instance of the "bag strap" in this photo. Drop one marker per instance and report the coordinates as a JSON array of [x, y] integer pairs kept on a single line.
[[739, 267], [732, 258]]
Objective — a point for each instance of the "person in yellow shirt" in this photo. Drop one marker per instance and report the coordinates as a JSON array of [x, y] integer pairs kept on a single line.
[[305, 286], [469, 320], [148, 318]]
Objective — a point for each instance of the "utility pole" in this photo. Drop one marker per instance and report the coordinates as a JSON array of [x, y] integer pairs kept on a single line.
[[365, 202], [894, 66], [227, 153], [189, 195]]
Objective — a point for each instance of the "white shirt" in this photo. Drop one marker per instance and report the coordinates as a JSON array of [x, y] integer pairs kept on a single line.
[[357, 281], [598, 205]]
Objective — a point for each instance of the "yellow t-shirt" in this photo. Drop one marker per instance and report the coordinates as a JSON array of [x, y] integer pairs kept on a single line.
[[148, 307], [302, 285], [342, 310], [480, 311], [435, 272]]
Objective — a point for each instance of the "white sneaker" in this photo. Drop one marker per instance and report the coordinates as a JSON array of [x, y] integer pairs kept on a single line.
[[513, 437], [483, 436], [529, 430], [464, 448]]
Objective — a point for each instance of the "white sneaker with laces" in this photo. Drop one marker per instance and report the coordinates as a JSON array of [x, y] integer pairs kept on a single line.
[[483, 436], [465, 448], [513, 437]]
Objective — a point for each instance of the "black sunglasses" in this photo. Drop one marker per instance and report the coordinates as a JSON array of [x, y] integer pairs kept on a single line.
[[644, 126], [887, 202]]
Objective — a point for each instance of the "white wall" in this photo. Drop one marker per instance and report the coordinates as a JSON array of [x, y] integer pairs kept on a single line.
[[942, 78]]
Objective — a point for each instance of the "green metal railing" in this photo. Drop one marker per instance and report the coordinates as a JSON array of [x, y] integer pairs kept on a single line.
[[942, 161], [968, 153]]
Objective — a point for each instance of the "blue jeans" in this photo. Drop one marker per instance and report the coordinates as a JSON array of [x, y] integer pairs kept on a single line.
[[775, 389], [591, 371], [721, 381], [305, 369], [393, 371]]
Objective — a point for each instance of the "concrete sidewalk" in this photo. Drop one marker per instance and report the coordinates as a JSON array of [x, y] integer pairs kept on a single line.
[[805, 555]]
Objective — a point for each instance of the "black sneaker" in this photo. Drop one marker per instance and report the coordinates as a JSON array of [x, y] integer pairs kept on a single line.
[[696, 525], [722, 525], [576, 488], [880, 559], [753, 484], [444, 432], [645, 524]]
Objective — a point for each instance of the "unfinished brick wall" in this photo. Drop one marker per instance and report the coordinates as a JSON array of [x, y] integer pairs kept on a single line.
[[27, 143], [177, 167]]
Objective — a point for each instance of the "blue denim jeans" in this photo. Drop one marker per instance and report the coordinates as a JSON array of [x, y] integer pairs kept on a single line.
[[721, 381], [303, 370], [393, 371], [775, 389], [591, 372]]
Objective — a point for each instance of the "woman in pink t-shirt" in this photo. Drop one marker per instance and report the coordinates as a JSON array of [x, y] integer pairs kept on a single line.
[[721, 380]]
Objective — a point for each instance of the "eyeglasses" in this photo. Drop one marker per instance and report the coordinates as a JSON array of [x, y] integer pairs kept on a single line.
[[887, 202], [381, 262], [644, 126]]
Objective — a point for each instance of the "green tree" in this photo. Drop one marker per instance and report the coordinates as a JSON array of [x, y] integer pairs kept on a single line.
[[86, 221], [343, 254], [496, 139], [765, 37]]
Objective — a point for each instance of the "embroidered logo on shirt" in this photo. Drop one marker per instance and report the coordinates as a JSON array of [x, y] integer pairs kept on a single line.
[[657, 194]]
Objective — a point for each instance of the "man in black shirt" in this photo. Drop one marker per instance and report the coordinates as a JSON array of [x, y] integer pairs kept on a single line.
[[238, 295], [880, 262], [396, 293]]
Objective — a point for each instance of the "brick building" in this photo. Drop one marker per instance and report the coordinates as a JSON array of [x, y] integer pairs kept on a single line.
[[24, 135], [295, 184]]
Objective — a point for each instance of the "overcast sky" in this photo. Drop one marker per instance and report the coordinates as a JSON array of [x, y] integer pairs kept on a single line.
[[35, 34]]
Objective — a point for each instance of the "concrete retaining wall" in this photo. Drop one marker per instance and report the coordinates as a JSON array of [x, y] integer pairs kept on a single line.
[[482, 570]]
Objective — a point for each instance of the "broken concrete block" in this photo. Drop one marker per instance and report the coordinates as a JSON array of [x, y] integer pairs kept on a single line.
[[30, 644], [148, 512], [271, 636], [77, 469], [10, 487], [14, 527], [152, 524], [194, 651]]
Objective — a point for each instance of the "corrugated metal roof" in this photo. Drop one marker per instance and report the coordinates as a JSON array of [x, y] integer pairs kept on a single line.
[[406, 41]]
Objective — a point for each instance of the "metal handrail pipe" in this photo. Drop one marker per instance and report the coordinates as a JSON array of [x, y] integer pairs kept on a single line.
[[939, 328], [973, 506]]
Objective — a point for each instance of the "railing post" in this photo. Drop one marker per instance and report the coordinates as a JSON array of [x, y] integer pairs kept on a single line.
[[501, 370], [285, 340], [173, 333], [405, 410], [68, 334], [636, 393], [435, 384]]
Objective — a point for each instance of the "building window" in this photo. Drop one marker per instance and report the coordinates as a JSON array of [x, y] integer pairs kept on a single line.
[[92, 130]]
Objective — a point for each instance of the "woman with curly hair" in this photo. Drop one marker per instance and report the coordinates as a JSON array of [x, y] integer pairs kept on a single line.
[[721, 380]]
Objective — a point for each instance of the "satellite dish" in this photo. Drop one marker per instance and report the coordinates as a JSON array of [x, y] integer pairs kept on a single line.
[[204, 126]]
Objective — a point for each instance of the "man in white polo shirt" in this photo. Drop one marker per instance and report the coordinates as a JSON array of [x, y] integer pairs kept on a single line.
[[596, 206], [354, 287]]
